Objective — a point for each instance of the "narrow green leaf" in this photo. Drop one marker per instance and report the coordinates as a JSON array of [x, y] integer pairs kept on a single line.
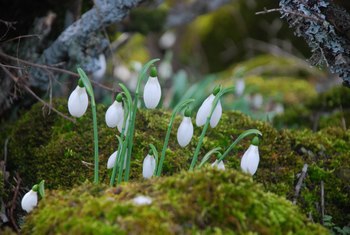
[[86, 81], [42, 188]]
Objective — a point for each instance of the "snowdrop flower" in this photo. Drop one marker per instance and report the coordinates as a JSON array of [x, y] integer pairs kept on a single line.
[[100, 72], [122, 72], [257, 101], [148, 166], [30, 199], [250, 159], [142, 200], [113, 158], [120, 124], [219, 165], [78, 101], [165, 70], [152, 91], [240, 86], [204, 111], [167, 40], [185, 131], [115, 112]]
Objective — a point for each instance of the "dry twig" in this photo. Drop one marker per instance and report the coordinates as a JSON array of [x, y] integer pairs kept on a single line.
[[300, 182]]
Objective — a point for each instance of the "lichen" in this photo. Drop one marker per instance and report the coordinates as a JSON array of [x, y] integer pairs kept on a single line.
[[61, 152], [206, 202]]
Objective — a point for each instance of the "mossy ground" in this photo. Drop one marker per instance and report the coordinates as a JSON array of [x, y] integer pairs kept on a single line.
[[200, 202], [60, 152]]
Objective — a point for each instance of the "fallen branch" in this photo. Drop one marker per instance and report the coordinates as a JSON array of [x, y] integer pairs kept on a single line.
[[300, 182]]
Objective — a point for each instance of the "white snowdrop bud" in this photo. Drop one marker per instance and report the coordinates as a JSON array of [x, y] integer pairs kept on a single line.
[[114, 114], [78, 102], [167, 40], [148, 166], [240, 86], [152, 91], [185, 131], [219, 165], [29, 201], [100, 72], [250, 159], [204, 111]]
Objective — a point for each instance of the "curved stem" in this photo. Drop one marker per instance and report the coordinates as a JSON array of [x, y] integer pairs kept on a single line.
[[239, 138], [114, 172], [131, 126], [205, 128], [177, 109], [208, 155], [155, 154]]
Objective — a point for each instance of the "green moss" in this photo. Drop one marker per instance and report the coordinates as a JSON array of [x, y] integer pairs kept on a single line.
[[206, 202], [330, 108], [63, 152]]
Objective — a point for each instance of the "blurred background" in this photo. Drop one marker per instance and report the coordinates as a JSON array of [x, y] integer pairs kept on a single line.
[[199, 48]]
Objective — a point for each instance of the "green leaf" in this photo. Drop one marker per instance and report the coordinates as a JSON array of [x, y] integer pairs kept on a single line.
[[155, 153], [42, 188]]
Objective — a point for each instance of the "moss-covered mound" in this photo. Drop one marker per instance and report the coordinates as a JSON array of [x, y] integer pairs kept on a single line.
[[52, 148], [207, 201], [330, 108]]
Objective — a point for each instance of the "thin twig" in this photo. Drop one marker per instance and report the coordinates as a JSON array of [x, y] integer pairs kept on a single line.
[[43, 66], [13, 203], [15, 79], [280, 10], [300, 182]]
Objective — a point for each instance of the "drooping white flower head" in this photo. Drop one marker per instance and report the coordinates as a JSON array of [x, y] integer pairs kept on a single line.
[[165, 69], [100, 72], [240, 86], [204, 112], [122, 72], [142, 200], [113, 158], [115, 112], [29, 201], [120, 124], [78, 101], [185, 131], [219, 165], [148, 166], [152, 91], [250, 159], [167, 40], [257, 101]]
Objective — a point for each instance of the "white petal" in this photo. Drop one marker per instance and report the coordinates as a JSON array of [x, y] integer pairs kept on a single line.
[[111, 160], [78, 102], [204, 110], [165, 70], [240, 85], [100, 72], [148, 167], [167, 40], [185, 132], [152, 93], [142, 200], [29, 201], [215, 118], [120, 125], [114, 114], [219, 165], [250, 160]]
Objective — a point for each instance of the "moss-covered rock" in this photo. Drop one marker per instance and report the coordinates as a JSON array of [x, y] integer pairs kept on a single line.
[[330, 108], [61, 152], [206, 202]]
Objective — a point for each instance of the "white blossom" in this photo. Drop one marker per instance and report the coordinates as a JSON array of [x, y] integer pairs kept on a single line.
[[240, 86], [257, 101], [114, 114], [100, 72], [152, 93], [185, 132], [148, 166], [219, 165], [204, 112], [250, 160], [165, 70], [167, 40], [142, 200], [78, 102], [29, 201], [112, 159]]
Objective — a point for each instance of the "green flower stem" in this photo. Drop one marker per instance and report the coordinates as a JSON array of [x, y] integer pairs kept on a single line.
[[155, 154], [94, 120], [205, 128], [177, 109], [131, 127], [90, 91], [239, 138], [114, 172], [208, 155]]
